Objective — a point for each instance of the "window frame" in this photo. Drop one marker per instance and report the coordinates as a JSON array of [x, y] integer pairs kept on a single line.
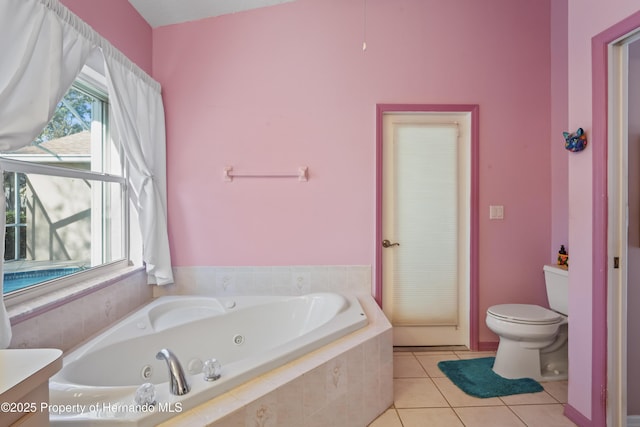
[[92, 83], [17, 224]]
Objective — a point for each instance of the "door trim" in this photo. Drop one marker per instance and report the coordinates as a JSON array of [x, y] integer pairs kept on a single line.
[[600, 145], [474, 203]]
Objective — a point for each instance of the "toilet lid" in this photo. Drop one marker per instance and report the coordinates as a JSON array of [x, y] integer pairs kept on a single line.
[[525, 313]]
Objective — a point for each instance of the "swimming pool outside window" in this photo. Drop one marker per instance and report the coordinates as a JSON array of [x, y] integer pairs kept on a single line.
[[65, 196]]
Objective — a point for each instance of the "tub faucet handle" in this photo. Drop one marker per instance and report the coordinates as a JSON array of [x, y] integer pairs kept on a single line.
[[146, 395], [211, 370]]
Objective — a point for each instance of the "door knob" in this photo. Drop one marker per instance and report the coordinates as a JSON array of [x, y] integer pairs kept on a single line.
[[388, 244]]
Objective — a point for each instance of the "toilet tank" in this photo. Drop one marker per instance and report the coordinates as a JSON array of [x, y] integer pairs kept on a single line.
[[557, 282]]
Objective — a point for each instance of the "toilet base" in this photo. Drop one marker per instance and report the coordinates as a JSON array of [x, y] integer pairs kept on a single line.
[[513, 360], [555, 366]]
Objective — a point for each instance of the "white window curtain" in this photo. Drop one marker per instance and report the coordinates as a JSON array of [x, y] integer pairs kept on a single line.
[[44, 47], [41, 57], [139, 125]]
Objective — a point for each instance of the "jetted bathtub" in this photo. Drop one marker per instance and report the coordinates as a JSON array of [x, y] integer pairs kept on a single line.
[[247, 335]]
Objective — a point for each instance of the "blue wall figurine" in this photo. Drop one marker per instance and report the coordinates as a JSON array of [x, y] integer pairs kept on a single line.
[[575, 142]]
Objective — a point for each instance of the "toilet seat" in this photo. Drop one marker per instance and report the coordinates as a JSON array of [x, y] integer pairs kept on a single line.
[[526, 314]]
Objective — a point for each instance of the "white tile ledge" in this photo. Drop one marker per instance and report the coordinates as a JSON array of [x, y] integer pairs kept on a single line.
[[50, 301]]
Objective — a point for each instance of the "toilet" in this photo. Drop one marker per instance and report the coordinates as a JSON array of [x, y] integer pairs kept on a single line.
[[534, 339]]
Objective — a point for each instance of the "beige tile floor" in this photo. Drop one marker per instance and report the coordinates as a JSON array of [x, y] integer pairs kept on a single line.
[[424, 396]]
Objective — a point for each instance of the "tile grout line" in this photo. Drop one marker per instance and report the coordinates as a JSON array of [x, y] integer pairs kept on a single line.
[[416, 358], [517, 416]]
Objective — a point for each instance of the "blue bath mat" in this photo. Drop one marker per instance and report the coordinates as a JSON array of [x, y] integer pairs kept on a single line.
[[476, 378]]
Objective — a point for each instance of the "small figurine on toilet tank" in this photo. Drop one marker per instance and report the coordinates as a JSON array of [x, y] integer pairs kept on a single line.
[[563, 257]]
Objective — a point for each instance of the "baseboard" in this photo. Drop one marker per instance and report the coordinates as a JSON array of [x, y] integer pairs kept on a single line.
[[573, 415], [633, 421], [576, 416], [487, 345]]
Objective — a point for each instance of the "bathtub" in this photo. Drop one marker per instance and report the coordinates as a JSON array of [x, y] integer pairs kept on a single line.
[[247, 335]]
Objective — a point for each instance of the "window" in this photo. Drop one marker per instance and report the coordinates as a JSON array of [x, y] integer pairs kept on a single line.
[[65, 196]]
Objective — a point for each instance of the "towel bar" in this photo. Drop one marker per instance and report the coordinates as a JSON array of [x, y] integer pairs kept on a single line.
[[302, 175]]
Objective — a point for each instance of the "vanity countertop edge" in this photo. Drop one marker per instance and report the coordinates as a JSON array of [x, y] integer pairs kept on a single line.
[[24, 370]]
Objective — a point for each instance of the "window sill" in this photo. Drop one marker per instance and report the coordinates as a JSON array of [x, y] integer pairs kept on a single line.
[[22, 311]]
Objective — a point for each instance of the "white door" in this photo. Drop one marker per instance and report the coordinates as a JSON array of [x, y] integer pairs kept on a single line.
[[426, 226], [617, 236]]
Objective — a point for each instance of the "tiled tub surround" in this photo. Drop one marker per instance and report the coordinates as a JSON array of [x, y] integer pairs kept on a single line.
[[287, 280], [309, 391], [347, 383], [65, 318], [233, 330]]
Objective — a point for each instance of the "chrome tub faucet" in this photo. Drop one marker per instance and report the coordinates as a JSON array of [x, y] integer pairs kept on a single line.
[[177, 382]]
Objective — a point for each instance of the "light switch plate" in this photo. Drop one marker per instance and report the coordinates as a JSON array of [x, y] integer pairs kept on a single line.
[[496, 212]]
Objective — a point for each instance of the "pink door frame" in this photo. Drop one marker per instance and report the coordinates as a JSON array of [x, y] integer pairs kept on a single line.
[[600, 62], [474, 109]]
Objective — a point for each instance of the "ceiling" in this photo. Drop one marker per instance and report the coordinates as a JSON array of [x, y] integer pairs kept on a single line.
[[166, 12]]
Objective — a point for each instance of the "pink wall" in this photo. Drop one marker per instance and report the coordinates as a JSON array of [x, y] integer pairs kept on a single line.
[[275, 88], [559, 119], [118, 22]]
